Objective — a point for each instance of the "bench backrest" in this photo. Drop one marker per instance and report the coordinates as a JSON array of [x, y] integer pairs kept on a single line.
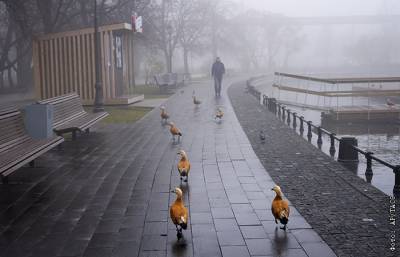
[[166, 78], [12, 129], [66, 108]]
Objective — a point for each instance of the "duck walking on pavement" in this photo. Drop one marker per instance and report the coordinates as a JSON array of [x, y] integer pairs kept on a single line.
[[164, 115], [219, 114], [183, 165], [179, 213], [280, 208], [174, 131]]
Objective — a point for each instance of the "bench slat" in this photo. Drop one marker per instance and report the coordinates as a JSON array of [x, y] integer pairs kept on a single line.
[[69, 114], [16, 147]]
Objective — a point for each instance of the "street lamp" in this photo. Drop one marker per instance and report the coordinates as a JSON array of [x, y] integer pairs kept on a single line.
[[98, 99]]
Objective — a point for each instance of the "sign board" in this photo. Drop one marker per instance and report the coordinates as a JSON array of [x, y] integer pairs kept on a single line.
[[137, 23], [118, 51]]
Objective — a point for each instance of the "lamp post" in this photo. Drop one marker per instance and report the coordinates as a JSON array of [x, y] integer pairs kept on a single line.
[[98, 100]]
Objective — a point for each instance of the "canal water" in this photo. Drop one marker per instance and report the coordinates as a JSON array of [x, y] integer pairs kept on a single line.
[[382, 139]]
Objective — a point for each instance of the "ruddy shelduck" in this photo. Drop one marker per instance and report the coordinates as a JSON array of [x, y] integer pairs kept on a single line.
[[219, 114], [164, 115], [183, 165], [174, 130], [280, 208], [179, 213]]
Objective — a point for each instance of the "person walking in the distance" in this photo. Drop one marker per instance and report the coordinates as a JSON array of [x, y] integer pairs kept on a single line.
[[217, 71]]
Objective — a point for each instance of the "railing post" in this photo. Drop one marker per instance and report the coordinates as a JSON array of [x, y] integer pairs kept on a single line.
[[368, 170], [265, 99], [309, 133], [288, 117], [279, 110], [294, 120], [319, 140], [332, 149], [283, 113], [396, 188], [301, 125]]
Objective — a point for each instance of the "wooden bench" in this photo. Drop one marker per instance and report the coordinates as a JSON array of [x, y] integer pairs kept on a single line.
[[168, 81], [17, 148], [69, 115]]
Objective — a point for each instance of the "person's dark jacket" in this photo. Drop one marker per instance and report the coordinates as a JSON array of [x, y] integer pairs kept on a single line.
[[218, 69]]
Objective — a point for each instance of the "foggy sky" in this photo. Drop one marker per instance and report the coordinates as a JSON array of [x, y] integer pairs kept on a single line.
[[324, 7]]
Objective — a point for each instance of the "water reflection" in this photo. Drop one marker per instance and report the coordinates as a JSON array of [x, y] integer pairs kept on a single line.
[[280, 241], [179, 248]]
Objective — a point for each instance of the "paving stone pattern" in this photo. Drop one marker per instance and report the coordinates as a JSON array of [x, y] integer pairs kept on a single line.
[[108, 193], [349, 214]]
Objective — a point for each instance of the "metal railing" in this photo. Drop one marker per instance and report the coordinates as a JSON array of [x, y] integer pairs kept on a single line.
[[292, 119]]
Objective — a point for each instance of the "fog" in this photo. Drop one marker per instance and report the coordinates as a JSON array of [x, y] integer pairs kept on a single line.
[[323, 7], [185, 36]]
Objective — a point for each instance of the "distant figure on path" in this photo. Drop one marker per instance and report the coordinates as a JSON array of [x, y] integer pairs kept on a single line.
[[217, 71]]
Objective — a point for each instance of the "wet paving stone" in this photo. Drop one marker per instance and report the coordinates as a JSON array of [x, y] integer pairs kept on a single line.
[[334, 218], [235, 251], [108, 192], [250, 232]]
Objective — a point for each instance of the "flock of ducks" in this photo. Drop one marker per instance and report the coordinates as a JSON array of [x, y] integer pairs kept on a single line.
[[179, 212]]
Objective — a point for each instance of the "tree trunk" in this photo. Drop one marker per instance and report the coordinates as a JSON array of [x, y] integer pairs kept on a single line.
[[24, 69], [84, 14], [186, 60], [168, 61], [45, 9]]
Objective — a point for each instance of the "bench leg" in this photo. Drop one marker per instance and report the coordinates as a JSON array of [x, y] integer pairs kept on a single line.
[[4, 179], [32, 163]]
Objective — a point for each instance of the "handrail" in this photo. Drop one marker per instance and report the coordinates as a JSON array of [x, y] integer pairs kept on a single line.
[[291, 118]]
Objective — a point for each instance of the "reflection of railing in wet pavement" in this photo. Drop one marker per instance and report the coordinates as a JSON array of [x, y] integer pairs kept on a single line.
[[347, 146]]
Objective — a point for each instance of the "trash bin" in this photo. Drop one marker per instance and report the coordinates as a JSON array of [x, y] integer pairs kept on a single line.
[[39, 120]]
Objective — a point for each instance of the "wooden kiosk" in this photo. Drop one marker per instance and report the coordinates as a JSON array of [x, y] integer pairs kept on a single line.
[[64, 63]]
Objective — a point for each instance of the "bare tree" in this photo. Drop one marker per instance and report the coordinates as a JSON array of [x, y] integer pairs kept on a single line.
[[194, 14]]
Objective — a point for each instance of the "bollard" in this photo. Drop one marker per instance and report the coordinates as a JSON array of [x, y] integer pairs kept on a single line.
[[309, 133], [288, 117], [396, 188], [265, 99], [346, 151], [301, 125], [273, 105], [332, 149], [279, 110], [294, 121], [319, 140], [368, 170], [283, 113]]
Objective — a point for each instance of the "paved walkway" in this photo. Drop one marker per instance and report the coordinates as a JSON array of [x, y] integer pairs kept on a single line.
[[351, 215], [108, 193]]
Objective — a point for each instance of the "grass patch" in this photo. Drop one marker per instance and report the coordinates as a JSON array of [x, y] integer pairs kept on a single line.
[[125, 114], [149, 92]]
